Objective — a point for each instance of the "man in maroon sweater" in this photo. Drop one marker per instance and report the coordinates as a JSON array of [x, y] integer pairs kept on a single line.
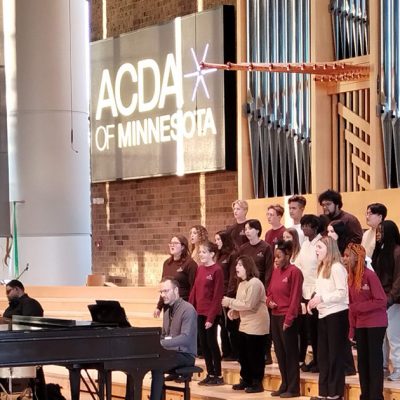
[[331, 203]]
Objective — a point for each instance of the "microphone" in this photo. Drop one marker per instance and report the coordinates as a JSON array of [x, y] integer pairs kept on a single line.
[[23, 271]]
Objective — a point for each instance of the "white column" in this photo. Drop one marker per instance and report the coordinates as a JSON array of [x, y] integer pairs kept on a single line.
[[46, 60]]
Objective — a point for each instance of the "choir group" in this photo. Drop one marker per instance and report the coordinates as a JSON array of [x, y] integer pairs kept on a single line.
[[321, 282]]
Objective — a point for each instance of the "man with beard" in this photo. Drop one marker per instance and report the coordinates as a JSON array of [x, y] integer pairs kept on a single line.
[[331, 203]]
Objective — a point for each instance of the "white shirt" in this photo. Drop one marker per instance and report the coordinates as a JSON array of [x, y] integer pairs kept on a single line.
[[308, 263], [369, 241], [302, 238], [334, 291]]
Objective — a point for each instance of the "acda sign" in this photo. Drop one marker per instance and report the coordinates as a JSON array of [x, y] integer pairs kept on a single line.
[[155, 112]]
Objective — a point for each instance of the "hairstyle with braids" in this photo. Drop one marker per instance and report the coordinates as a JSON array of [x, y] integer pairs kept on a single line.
[[356, 271]]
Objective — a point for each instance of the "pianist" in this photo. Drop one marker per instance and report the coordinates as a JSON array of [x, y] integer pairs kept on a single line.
[[179, 333], [20, 303]]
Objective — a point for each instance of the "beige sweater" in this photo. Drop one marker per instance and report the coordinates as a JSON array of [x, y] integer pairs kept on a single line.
[[250, 305]]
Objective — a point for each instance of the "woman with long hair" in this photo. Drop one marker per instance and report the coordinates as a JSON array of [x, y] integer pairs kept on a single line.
[[336, 230], [180, 266], [226, 259], [284, 298], [291, 235], [249, 305], [386, 263], [206, 297], [368, 321], [331, 299], [198, 234]]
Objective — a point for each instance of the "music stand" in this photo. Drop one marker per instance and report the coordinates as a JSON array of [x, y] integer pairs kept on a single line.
[[109, 312]]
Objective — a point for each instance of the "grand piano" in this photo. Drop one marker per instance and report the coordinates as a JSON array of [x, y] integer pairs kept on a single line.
[[84, 344]]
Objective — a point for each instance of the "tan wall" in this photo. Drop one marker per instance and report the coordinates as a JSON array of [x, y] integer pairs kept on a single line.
[[354, 202]]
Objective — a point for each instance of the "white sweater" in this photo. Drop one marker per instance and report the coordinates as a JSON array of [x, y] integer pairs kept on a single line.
[[333, 291]]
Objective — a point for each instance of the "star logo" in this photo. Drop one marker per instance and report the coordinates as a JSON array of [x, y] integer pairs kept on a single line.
[[199, 73]]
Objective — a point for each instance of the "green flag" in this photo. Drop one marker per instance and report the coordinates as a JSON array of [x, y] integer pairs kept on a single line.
[[15, 240]]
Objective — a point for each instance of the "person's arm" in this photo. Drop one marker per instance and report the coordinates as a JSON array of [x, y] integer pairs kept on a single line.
[[268, 263], [187, 333], [217, 295], [394, 294], [295, 296]]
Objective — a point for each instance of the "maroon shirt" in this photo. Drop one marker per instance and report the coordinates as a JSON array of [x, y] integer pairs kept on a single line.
[[207, 292], [367, 308], [273, 235], [228, 265], [183, 272], [261, 253], [237, 234], [285, 289]]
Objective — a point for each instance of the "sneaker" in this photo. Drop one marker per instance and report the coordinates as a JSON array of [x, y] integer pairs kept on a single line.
[[242, 385], [350, 372], [314, 369], [216, 381], [395, 375], [205, 381], [256, 388]]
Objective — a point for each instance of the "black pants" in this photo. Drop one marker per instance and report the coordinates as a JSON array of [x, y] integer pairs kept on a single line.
[[209, 344], [225, 337], [232, 325], [287, 352], [157, 376], [252, 357], [308, 334], [332, 336], [370, 361]]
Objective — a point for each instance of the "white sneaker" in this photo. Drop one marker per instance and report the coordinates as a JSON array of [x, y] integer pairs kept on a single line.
[[395, 375]]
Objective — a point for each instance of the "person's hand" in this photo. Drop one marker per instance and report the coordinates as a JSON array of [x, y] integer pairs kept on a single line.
[[156, 313], [313, 303], [272, 304], [208, 325], [285, 326], [231, 314], [225, 301]]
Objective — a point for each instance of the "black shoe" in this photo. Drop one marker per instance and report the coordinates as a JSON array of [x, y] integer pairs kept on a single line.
[[350, 372], [287, 395], [242, 385], [216, 381], [314, 369], [304, 367], [268, 359], [205, 381], [257, 388], [317, 398], [229, 358], [171, 377], [276, 393]]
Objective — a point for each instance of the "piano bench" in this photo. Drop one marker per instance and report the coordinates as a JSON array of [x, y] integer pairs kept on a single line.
[[183, 375]]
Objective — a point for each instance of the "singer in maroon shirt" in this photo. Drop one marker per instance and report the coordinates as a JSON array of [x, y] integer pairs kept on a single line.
[[368, 321], [284, 298]]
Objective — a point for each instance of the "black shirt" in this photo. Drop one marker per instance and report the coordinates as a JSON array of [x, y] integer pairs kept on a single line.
[[24, 305]]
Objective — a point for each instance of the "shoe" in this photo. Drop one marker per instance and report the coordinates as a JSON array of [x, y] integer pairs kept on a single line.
[[216, 381], [395, 375], [318, 398], [287, 395], [314, 369], [268, 359], [171, 377], [350, 372], [276, 393], [386, 372], [205, 381], [242, 385], [304, 367], [229, 358], [257, 388]]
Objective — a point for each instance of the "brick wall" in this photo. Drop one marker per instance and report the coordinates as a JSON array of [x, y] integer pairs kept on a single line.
[[133, 226]]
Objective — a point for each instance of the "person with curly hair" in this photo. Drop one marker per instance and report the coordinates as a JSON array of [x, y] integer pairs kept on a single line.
[[198, 235]]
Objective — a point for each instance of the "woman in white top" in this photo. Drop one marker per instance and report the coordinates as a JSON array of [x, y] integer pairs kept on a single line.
[[331, 299], [250, 306]]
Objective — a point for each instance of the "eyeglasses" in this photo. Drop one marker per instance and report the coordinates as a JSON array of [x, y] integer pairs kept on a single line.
[[174, 243], [326, 204], [164, 291]]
